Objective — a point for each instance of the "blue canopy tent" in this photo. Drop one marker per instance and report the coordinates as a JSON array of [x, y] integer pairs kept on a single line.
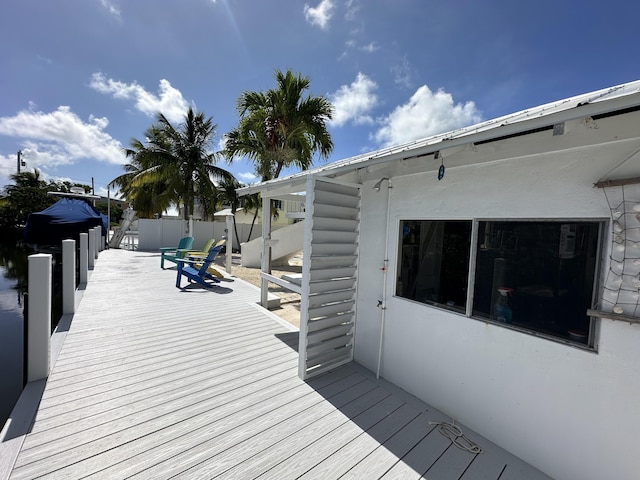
[[66, 218]]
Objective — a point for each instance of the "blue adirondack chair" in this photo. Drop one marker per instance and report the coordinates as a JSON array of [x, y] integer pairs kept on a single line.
[[195, 269], [173, 253]]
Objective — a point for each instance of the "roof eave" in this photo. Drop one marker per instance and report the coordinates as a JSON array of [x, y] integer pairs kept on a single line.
[[580, 107]]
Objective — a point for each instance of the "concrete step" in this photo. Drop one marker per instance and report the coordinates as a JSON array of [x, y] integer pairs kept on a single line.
[[293, 278]]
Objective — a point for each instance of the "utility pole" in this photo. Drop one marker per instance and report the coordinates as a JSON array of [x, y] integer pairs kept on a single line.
[[20, 161]]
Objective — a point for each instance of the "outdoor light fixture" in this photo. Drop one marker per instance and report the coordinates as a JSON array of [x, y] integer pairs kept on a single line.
[[437, 156], [376, 187]]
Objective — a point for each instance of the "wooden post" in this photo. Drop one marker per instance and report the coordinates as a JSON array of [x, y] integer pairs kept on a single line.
[[83, 260], [68, 276], [229, 247], [266, 251], [39, 304]]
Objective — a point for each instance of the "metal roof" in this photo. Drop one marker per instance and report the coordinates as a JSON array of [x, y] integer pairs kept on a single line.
[[580, 106]]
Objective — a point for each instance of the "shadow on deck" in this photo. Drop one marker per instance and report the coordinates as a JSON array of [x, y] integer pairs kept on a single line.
[[397, 435]]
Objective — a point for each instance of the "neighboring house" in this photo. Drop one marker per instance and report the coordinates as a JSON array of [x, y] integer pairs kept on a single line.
[[505, 293], [287, 211]]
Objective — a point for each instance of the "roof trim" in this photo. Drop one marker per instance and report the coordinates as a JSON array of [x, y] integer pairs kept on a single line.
[[602, 103]]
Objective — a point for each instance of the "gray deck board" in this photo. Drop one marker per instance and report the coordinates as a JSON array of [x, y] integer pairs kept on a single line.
[[324, 449], [385, 455], [420, 458], [451, 464], [283, 449], [354, 452], [157, 382]]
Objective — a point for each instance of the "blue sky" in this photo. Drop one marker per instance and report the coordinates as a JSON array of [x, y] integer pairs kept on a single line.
[[80, 78]]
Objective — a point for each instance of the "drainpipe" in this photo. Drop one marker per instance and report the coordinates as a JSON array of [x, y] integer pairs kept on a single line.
[[382, 304]]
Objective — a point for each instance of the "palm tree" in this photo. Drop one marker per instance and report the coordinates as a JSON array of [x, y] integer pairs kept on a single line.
[[149, 198], [230, 197], [279, 128], [27, 195], [177, 163]]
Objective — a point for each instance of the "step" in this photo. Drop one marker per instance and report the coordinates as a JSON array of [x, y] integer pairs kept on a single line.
[[293, 278]]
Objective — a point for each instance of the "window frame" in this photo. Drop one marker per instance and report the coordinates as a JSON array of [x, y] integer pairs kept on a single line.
[[603, 226]]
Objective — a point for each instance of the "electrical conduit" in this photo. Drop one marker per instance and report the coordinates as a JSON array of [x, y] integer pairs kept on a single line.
[[382, 304]]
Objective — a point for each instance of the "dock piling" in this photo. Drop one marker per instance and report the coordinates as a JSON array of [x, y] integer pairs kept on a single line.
[[92, 249], [83, 259], [68, 276], [39, 329]]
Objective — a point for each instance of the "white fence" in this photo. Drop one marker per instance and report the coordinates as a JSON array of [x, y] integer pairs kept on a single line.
[[166, 232]]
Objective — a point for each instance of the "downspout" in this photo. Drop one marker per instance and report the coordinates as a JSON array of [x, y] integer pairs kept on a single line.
[[382, 304]]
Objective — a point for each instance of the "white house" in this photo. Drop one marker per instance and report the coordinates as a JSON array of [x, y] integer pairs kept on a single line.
[[493, 272]]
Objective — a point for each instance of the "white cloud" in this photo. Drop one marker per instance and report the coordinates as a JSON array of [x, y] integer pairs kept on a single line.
[[43, 59], [169, 100], [354, 102], [402, 73], [8, 166], [319, 15], [426, 113], [247, 177], [352, 9], [61, 138], [111, 8], [370, 47]]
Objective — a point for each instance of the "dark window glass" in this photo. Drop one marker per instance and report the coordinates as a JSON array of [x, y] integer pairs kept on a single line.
[[434, 262], [537, 276]]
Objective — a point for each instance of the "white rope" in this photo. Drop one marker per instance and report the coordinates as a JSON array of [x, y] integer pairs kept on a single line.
[[454, 433]]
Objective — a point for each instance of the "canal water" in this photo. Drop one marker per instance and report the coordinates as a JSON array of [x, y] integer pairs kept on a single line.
[[13, 289], [13, 286]]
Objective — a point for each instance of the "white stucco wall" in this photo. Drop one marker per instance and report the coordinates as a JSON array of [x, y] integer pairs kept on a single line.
[[571, 413]]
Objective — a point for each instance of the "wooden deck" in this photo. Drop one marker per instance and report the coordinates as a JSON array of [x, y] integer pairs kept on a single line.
[[155, 382]]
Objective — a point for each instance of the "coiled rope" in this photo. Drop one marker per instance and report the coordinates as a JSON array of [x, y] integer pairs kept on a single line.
[[454, 433]]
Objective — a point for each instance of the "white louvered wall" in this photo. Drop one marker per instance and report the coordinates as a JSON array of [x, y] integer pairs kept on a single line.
[[329, 276]]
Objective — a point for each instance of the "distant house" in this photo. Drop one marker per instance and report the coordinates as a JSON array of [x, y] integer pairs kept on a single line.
[[286, 212], [492, 271]]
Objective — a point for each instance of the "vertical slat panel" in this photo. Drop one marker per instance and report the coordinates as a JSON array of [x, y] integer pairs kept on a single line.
[[306, 275], [328, 271]]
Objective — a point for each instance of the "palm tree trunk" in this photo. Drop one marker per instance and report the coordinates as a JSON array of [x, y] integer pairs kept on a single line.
[[235, 228], [253, 222]]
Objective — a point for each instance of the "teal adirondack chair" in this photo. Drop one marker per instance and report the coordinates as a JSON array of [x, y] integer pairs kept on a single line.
[[196, 270], [174, 253]]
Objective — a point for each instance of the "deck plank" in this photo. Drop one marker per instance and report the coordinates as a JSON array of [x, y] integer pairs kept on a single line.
[[420, 458], [452, 464], [157, 382], [284, 448], [347, 453], [324, 447]]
